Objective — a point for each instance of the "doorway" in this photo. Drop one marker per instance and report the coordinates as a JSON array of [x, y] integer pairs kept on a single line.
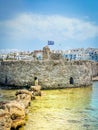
[[71, 80]]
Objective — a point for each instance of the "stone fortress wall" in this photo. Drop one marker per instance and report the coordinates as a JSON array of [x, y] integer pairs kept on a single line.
[[51, 73]]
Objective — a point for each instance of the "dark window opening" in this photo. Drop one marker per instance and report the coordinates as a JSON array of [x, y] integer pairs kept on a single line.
[[71, 80]]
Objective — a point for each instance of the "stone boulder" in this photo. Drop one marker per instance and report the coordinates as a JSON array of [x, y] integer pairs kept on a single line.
[[36, 90], [5, 120], [24, 97], [24, 91], [17, 113]]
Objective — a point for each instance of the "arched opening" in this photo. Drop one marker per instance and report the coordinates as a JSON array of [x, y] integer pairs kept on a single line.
[[71, 80]]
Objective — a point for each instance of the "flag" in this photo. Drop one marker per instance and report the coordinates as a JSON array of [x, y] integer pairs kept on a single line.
[[50, 42]]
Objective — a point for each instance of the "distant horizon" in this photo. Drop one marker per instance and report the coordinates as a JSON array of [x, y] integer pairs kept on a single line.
[[29, 24]]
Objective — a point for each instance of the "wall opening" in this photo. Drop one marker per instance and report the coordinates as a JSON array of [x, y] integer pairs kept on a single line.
[[71, 80]]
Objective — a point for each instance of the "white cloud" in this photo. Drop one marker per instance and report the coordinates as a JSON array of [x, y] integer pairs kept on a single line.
[[43, 27]]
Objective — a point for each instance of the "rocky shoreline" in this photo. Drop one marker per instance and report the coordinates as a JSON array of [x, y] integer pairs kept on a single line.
[[13, 113]]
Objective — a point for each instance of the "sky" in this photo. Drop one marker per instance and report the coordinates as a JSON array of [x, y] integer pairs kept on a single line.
[[30, 24]]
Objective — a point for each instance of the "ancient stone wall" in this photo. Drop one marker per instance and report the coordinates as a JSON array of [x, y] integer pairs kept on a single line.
[[56, 56], [51, 73]]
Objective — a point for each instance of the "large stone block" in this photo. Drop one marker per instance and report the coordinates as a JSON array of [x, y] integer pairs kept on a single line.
[[5, 120]]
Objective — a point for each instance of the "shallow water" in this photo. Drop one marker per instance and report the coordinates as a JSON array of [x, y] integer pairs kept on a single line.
[[64, 109], [7, 95]]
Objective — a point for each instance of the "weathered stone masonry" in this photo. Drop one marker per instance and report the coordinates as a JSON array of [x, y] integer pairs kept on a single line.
[[51, 73]]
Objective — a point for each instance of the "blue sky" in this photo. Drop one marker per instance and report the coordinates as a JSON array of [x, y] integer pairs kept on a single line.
[[29, 24]]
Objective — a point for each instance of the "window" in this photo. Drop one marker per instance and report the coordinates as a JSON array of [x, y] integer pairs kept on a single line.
[[71, 80]]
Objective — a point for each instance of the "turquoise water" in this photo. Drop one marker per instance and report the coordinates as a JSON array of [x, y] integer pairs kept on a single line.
[[64, 109]]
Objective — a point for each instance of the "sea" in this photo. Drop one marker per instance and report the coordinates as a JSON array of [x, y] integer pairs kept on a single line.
[[61, 109]]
